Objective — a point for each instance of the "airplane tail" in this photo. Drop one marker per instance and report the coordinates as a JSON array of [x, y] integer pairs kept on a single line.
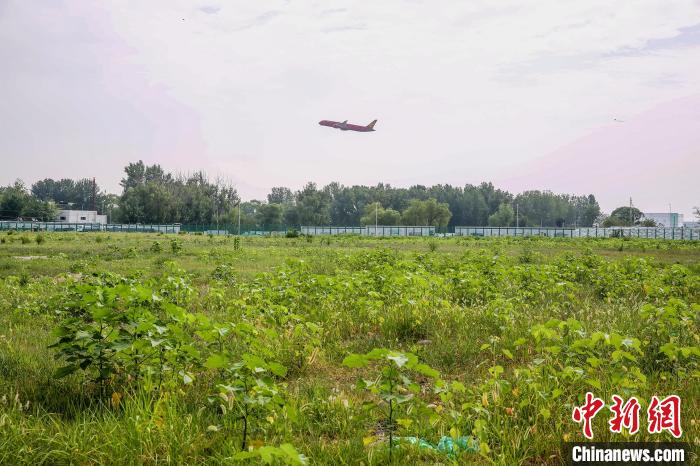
[[371, 125]]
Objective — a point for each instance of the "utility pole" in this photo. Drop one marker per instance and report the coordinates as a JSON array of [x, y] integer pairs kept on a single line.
[[94, 194], [239, 217], [631, 223]]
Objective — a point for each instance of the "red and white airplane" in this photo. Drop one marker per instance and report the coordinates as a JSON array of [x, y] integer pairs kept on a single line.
[[345, 126]]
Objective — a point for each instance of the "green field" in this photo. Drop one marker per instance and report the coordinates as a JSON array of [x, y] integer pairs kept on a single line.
[[179, 349]]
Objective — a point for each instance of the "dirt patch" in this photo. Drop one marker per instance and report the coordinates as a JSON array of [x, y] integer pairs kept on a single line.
[[29, 258]]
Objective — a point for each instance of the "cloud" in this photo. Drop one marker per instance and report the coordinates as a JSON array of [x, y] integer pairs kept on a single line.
[[359, 27], [210, 9], [332, 11], [685, 37], [260, 20]]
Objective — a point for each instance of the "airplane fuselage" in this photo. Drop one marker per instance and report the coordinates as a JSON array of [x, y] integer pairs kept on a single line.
[[345, 126]]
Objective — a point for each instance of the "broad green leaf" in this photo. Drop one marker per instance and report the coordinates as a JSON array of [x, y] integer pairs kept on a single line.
[[216, 361], [355, 360], [594, 383], [427, 371], [64, 371], [277, 369]]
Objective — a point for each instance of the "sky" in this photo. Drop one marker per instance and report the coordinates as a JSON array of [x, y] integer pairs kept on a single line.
[[464, 92]]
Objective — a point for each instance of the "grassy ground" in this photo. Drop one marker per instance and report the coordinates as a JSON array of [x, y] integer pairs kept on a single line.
[[518, 329]]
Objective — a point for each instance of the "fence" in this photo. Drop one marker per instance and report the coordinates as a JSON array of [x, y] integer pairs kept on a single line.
[[370, 230], [679, 233], [63, 226], [592, 232]]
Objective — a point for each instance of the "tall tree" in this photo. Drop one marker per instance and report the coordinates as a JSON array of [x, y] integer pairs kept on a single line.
[[503, 217], [374, 212], [426, 213], [280, 195], [313, 206], [269, 215], [624, 216], [16, 202]]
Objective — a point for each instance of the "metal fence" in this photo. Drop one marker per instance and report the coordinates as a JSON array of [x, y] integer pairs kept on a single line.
[[370, 230], [592, 232], [679, 233], [64, 226]]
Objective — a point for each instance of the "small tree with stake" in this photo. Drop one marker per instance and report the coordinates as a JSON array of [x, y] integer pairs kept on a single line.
[[392, 384]]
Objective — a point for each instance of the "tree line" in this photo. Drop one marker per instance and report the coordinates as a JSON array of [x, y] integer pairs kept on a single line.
[[152, 195]]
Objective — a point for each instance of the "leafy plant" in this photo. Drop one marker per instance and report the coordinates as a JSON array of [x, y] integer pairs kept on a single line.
[[285, 454], [249, 391], [391, 383], [175, 246]]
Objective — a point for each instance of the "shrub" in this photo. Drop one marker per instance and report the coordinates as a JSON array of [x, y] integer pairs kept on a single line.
[[175, 246], [40, 239], [24, 240]]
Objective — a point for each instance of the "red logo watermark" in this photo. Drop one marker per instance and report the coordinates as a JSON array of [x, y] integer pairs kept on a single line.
[[662, 415]]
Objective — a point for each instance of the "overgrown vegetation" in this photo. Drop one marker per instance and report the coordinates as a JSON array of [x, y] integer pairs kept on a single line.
[[283, 351]]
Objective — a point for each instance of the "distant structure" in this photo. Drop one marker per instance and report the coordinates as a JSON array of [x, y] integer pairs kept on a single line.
[[81, 216], [665, 219], [691, 224]]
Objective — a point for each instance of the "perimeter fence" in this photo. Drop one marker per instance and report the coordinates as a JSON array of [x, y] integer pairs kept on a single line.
[[680, 233]]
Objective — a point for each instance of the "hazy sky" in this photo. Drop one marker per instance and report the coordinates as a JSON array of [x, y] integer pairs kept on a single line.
[[464, 91]]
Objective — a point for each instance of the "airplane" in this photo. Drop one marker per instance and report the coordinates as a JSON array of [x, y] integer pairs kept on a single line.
[[345, 126]]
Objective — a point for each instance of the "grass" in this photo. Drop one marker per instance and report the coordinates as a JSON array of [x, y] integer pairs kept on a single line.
[[506, 317]]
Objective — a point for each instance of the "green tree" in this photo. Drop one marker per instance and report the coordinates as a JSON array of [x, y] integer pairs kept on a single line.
[[473, 209], [269, 215], [414, 214], [153, 196], [503, 217], [16, 202], [429, 213], [624, 216], [313, 206], [280, 195], [383, 216], [12, 200], [437, 213], [494, 197]]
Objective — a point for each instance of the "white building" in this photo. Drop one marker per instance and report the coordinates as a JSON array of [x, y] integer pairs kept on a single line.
[[80, 216], [665, 219]]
